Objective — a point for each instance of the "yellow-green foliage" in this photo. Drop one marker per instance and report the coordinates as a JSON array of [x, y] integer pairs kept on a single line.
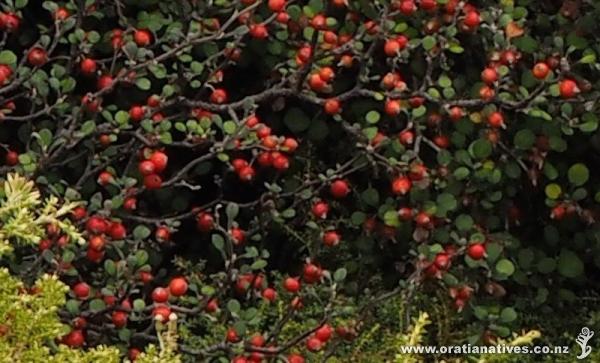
[[413, 337], [23, 215], [167, 352], [30, 324]]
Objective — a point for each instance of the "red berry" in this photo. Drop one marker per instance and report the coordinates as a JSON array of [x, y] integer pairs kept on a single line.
[[476, 251], [568, 88], [162, 234], [472, 19], [422, 219], [441, 141], [247, 173], [311, 273], [324, 333], [146, 167], [105, 81], [407, 7], [257, 340], [391, 47], [37, 57], [289, 145], [162, 313], [442, 261], [238, 235], [219, 96], [178, 286], [74, 338], [406, 137], [160, 295], [269, 294], [96, 225], [232, 336], [320, 210], [332, 106], [316, 83], [94, 256], [88, 66], [489, 75], [119, 318], [152, 181], [105, 178], [81, 290], [212, 306], [133, 353], [339, 189], [153, 101], [405, 213], [11, 22], [428, 5], [205, 222], [291, 285], [456, 113], [327, 74], [541, 70], [142, 38], [401, 185], [136, 113], [313, 344], [558, 212], [392, 107], [486, 93], [146, 277], [160, 160], [417, 172], [258, 31], [91, 104], [331, 238], [496, 119], [130, 203], [276, 5], [96, 243], [295, 358], [12, 158], [280, 162]]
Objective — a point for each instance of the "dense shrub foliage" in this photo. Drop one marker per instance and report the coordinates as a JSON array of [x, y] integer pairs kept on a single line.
[[298, 180]]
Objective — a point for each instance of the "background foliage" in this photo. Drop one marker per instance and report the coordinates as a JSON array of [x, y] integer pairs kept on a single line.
[[267, 180]]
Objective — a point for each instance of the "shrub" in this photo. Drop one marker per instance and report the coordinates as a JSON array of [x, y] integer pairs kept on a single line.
[[269, 179]]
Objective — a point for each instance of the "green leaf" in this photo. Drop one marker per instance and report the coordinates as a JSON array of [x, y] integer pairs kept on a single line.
[[526, 44], [464, 222], [373, 117], [232, 210], [88, 127], [371, 197], [8, 57], [390, 218], [296, 120], [340, 274], [229, 127], [505, 267], [553, 191], [480, 149], [524, 139], [546, 265], [143, 83], [429, 42], [578, 174], [233, 306], [139, 305], [110, 267], [569, 264], [141, 232], [97, 305], [45, 137], [218, 242], [258, 265], [508, 315]]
